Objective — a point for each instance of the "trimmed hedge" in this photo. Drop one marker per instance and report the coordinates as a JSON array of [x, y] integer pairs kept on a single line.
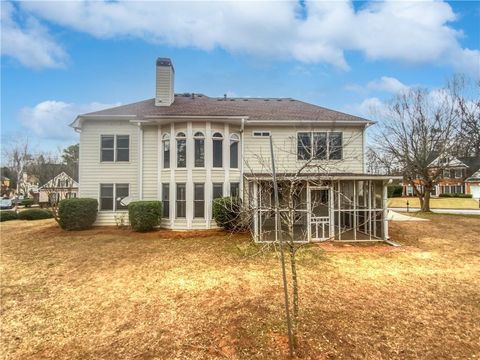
[[27, 202], [34, 214], [227, 213], [77, 213], [8, 215], [467, 196], [144, 215], [394, 191]]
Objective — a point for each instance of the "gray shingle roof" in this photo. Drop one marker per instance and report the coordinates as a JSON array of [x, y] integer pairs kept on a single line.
[[254, 108]]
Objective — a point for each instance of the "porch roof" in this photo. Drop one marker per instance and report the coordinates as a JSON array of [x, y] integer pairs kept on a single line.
[[323, 176]]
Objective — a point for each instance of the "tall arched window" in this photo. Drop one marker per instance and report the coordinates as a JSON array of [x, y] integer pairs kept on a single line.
[[217, 150], [181, 150], [166, 150], [199, 149], [234, 140]]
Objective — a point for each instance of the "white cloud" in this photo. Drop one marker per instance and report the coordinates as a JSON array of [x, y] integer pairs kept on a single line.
[[29, 43], [50, 119], [388, 84], [407, 31]]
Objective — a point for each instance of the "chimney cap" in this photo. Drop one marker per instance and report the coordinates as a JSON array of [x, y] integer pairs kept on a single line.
[[164, 62]]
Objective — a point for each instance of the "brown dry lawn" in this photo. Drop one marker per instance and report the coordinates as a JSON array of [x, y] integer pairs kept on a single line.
[[108, 293]]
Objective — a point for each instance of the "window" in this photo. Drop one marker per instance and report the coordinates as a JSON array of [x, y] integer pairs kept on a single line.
[[458, 173], [446, 173], [335, 146], [166, 200], [217, 191], [234, 140], [325, 145], [123, 146], [304, 146], [199, 201], [261, 133], [121, 192], [181, 201], [166, 151], [181, 150], [106, 197], [235, 189], [115, 148], [199, 139], [217, 150], [107, 143]]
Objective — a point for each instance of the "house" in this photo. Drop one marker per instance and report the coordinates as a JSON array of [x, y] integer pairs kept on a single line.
[[472, 184], [188, 149], [5, 186], [28, 185], [453, 175], [60, 187]]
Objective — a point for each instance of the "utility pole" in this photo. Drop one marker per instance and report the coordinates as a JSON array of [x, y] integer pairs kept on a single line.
[[279, 238]]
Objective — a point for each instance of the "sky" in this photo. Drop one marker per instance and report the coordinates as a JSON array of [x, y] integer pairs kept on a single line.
[[61, 59]]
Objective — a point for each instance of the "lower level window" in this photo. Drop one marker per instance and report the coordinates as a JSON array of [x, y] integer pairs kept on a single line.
[[181, 201], [166, 200], [235, 189], [111, 196], [199, 200]]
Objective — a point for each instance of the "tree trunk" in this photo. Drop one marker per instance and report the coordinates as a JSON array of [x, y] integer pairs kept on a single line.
[[426, 199], [293, 264]]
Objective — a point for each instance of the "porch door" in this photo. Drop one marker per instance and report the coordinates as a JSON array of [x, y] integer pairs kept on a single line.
[[319, 214]]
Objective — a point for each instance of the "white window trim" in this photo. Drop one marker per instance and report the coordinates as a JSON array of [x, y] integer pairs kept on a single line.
[[261, 133], [114, 210], [328, 132], [115, 149]]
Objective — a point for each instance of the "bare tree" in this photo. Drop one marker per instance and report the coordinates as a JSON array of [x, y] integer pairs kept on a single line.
[[419, 127], [18, 155]]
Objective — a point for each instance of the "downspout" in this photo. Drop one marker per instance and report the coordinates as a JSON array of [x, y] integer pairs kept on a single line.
[[364, 148], [242, 128]]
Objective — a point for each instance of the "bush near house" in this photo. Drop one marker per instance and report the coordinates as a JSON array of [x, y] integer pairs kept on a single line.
[[8, 215], [144, 215], [227, 213], [467, 196], [394, 191], [27, 202], [77, 213], [34, 214]]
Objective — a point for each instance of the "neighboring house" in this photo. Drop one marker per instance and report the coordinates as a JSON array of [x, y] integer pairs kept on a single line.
[[60, 187], [454, 173], [188, 149], [472, 184]]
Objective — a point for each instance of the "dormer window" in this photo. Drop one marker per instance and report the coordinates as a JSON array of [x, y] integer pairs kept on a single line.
[[199, 140], [217, 150], [181, 150]]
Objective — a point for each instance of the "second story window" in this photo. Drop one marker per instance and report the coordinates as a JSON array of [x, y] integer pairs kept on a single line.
[[115, 148], [199, 140], [319, 145], [166, 151], [234, 140], [181, 150], [446, 173], [217, 150]]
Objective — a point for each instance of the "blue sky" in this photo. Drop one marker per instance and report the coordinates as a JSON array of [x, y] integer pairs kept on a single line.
[[61, 59]]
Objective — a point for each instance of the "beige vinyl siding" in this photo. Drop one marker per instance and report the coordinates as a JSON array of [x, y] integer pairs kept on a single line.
[[93, 172], [150, 163], [257, 150], [165, 85]]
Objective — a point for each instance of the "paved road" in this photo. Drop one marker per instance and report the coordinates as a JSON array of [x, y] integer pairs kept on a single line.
[[444, 211]]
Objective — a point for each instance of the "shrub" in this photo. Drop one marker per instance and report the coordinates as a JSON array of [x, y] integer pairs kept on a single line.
[[144, 215], [77, 213], [227, 213], [34, 214], [395, 191], [453, 195], [8, 215], [27, 202]]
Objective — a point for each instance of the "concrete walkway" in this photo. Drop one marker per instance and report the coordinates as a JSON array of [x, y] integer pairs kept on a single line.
[[395, 216], [443, 211]]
